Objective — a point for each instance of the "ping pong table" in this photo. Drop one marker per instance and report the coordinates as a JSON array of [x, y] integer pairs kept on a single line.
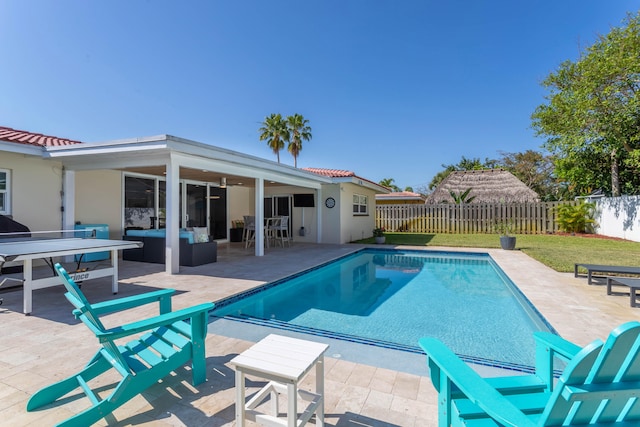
[[27, 250]]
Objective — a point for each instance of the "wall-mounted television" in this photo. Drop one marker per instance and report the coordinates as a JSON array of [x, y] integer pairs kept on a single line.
[[303, 201]]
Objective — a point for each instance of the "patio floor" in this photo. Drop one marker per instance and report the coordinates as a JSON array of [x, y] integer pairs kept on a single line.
[[49, 344]]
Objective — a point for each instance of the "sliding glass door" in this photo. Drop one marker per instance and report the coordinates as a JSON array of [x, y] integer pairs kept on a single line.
[[203, 205], [218, 212], [278, 206], [196, 205]]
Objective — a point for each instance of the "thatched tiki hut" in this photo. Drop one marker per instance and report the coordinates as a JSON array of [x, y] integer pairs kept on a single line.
[[487, 186]]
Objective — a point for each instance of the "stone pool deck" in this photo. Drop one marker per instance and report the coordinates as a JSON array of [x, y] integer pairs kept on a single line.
[[49, 345]]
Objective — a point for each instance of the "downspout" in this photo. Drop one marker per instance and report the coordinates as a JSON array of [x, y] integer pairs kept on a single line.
[[62, 199], [67, 197]]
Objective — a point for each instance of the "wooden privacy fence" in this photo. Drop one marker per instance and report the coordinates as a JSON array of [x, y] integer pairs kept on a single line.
[[523, 218]]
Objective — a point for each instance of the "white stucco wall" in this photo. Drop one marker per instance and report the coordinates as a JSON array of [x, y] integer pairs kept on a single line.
[[331, 217], [619, 217], [356, 227], [36, 186], [339, 224], [98, 199], [240, 202]]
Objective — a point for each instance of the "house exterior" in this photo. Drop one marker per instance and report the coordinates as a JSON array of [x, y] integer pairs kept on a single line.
[[400, 198], [31, 183], [50, 183], [355, 216], [486, 186]]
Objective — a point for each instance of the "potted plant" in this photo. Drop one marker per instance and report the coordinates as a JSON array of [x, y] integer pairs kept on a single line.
[[507, 241], [378, 234]]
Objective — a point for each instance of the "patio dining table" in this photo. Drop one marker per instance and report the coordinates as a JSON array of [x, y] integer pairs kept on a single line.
[[268, 231]]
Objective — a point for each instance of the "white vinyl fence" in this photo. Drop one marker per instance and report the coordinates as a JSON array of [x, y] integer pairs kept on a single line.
[[619, 217]]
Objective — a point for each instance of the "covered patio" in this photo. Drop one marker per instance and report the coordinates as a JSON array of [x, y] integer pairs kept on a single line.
[[175, 163]]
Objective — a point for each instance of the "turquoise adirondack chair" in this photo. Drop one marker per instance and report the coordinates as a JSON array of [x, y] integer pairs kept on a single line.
[[600, 385], [157, 347]]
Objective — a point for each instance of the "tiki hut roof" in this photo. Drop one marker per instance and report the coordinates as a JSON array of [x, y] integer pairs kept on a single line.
[[488, 186]]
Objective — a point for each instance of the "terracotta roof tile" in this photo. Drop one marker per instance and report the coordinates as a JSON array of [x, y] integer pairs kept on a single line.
[[30, 138], [333, 173], [399, 194], [339, 173]]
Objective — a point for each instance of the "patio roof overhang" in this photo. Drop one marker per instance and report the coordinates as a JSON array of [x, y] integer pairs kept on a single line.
[[197, 161]]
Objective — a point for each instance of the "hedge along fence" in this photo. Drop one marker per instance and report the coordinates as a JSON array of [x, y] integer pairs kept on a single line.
[[524, 218]]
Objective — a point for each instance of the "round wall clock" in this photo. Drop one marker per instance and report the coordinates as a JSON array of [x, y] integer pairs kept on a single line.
[[330, 202]]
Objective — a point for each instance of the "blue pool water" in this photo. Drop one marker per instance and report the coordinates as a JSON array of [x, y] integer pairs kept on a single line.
[[393, 298]]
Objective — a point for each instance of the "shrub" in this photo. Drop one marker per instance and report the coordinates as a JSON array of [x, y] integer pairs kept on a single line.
[[576, 218]]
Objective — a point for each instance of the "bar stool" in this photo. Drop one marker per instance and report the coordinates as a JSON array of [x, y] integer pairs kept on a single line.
[[249, 231], [280, 231]]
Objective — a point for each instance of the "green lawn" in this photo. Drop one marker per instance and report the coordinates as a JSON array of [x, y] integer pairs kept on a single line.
[[555, 251]]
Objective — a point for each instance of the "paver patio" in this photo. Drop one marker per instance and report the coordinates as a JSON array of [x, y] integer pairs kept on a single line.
[[50, 344]]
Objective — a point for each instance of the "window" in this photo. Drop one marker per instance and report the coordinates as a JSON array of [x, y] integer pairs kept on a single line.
[[359, 204], [5, 187]]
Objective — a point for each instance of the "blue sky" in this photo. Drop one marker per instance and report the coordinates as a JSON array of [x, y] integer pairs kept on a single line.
[[391, 89]]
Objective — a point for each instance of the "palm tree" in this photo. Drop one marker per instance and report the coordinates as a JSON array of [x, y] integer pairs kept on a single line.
[[274, 131], [390, 184], [461, 198], [298, 130]]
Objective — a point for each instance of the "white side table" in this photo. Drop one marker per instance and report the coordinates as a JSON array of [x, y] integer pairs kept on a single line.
[[284, 362]]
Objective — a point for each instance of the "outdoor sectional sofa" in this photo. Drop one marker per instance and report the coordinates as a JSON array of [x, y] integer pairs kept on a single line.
[[192, 251]]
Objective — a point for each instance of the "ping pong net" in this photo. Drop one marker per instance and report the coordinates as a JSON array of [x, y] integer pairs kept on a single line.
[[40, 236], [19, 236]]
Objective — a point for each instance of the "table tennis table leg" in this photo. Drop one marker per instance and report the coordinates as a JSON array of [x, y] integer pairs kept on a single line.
[[114, 265], [27, 267]]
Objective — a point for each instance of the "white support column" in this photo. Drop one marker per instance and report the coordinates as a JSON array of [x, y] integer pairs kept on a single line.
[[259, 240], [172, 254], [69, 200], [319, 206]]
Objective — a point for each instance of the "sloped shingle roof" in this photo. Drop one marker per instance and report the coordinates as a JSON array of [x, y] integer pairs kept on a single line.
[[30, 138], [488, 186]]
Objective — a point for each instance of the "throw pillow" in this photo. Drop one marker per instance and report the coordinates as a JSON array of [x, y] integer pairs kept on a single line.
[[201, 235]]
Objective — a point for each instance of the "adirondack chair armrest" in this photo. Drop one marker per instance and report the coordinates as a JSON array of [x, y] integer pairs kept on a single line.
[[447, 369], [549, 348], [162, 296], [153, 322], [556, 344]]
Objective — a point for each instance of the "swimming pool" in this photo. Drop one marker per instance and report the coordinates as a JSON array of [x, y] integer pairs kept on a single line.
[[391, 298]]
